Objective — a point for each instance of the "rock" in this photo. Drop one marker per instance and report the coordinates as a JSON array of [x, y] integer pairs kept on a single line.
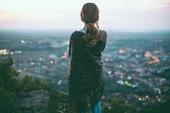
[[34, 101]]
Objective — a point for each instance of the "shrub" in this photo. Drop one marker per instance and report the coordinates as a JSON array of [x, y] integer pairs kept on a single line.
[[8, 102], [58, 102], [30, 83], [7, 75], [119, 105]]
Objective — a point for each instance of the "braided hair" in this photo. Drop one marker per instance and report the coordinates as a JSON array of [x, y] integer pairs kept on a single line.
[[90, 16]]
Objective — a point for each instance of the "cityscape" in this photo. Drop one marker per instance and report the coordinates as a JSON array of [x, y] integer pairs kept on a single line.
[[133, 62]]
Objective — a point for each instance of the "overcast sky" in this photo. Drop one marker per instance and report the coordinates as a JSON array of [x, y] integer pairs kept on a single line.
[[120, 15]]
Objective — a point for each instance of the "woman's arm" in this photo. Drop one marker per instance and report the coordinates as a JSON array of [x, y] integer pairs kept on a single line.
[[69, 48], [102, 38], [69, 54]]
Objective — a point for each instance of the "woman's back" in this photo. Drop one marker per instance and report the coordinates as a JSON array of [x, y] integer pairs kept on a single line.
[[85, 76], [86, 60]]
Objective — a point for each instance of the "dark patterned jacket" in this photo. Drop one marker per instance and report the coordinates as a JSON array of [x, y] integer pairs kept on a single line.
[[86, 66]]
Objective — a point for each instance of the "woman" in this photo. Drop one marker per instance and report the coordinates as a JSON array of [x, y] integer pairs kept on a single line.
[[86, 73]]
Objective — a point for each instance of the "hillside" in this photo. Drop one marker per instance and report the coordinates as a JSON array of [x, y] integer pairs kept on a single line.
[[33, 95]]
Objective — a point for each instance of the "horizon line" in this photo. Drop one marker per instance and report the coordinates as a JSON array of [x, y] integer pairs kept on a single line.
[[69, 30]]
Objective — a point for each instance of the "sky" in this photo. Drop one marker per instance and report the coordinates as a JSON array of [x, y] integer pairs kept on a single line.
[[119, 15]]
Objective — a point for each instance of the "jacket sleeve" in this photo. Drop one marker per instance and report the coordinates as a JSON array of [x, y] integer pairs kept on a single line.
[[70, 44], [102, 42], [69, 48]]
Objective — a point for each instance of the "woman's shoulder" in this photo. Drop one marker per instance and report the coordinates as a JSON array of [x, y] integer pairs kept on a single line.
[[102, 35], [77, 34]]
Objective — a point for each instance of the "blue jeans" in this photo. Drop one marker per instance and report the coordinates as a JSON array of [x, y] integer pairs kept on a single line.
[[77, 106], [96, 108]]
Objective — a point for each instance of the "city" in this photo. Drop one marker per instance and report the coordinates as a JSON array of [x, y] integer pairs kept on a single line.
[[132, 67]]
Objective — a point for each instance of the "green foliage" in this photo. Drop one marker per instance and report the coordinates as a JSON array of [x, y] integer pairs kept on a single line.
[[119, 105], [10, 88], [58, 102], [157, 108], [30, 83], [7, 75], [8, 102]]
